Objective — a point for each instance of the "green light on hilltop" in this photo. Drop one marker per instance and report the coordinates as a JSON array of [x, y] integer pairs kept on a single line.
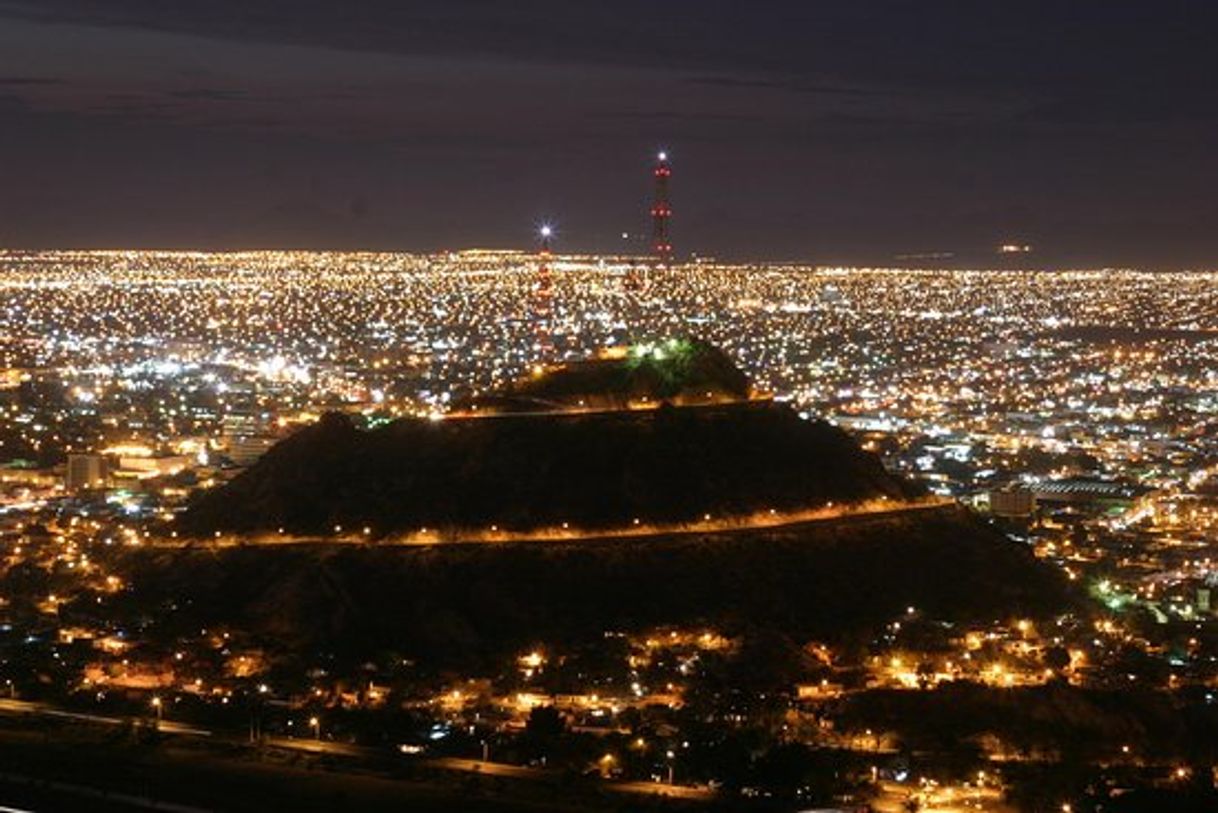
[[642, 350], [1111, 598], [659, 351]]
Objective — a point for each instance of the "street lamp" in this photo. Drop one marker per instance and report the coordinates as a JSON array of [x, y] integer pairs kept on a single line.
[[255, 704], [670, 756], [315, 724], [156, 704]]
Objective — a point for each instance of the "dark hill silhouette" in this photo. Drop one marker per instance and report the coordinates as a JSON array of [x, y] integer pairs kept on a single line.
[[461, 604], [524, 472]]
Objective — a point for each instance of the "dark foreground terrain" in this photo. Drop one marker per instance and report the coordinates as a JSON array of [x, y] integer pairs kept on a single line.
[[54, 767]]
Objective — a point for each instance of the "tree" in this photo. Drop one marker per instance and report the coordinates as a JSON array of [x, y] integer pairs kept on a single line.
[[545, 724], [926, 673], [1057, 658]]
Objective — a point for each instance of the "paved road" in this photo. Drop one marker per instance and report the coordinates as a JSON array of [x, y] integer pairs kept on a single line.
[[491, 768], [314, 746], [759, 524]]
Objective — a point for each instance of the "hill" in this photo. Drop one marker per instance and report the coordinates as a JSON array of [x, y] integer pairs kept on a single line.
[[525, 472], [469, 603]]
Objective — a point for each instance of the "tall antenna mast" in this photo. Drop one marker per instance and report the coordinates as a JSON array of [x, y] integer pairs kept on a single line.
[[661, 212]]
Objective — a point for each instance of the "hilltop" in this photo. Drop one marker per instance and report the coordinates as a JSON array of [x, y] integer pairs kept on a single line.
[[680, 372]]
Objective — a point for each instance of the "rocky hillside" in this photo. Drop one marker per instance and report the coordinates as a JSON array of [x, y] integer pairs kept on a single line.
[[460, 604], [525, 472]]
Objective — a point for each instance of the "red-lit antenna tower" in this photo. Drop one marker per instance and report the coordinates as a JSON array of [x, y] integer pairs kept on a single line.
[[661, 212], [543, 295]]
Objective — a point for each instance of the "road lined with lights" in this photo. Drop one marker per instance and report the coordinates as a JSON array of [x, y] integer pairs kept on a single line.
[[765, 521]]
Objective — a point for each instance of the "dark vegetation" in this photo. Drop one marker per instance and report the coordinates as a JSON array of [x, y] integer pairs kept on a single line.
[[1057, 721], [1068, 742], [55, 766], [675, 369], [465, 605]]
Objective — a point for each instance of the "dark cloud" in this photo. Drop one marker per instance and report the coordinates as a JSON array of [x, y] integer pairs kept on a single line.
[[210, 94], [955, 43], [1128, 106], [669, 117], [785, 86], [29, 81]]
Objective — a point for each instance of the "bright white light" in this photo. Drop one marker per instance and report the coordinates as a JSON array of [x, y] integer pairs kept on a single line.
[[546, 231], [663, 156]]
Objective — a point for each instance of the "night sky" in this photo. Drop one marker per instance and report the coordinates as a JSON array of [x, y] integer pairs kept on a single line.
[[829, 131]]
